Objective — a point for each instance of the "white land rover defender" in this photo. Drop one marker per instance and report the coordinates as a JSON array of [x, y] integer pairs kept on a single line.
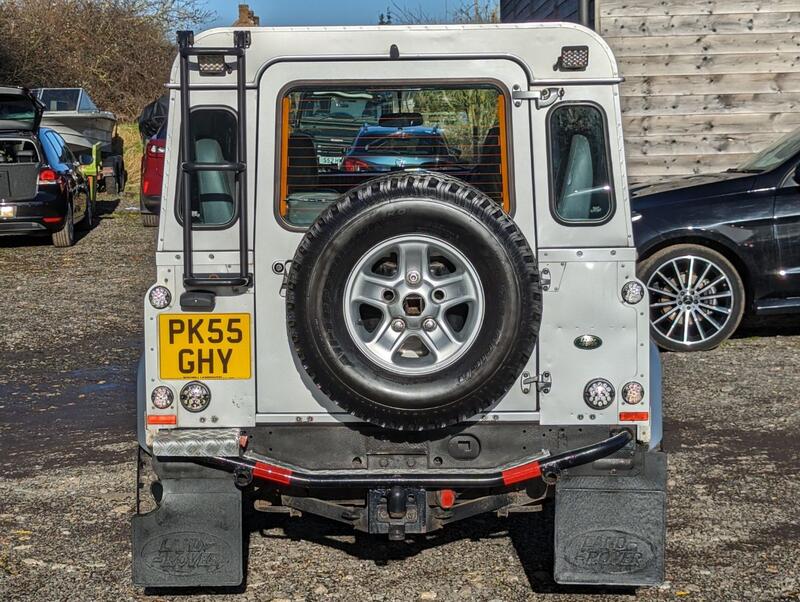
[[396, 289]]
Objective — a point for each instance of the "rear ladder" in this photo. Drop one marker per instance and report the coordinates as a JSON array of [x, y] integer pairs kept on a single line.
[[241, 41]]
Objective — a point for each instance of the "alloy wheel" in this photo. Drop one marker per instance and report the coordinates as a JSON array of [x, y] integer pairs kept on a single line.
[[691, 299], [413, 304]]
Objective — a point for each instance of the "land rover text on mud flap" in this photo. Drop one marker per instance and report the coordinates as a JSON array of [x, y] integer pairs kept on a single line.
[[442, 324]]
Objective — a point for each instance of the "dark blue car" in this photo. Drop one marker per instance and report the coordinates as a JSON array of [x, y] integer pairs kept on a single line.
[[400, 143], [42, 189]]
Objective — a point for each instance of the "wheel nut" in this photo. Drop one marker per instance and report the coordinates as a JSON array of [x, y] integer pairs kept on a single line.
[[413, 277], [398, 325], [429, 324]]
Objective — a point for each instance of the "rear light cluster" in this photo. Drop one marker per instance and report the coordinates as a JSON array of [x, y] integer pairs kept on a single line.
[[48, 176], [599, 394], [354, 165], [195, 396], [156, 148], [160, 297], [162, 397]]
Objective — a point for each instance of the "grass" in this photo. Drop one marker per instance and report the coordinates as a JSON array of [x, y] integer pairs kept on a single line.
[[132, 155]]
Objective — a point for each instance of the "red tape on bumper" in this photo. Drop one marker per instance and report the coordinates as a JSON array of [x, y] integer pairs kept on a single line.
[[523, 472], [270, 472]]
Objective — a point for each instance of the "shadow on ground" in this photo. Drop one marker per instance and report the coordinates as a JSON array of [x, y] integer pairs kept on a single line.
[[103, 209], [531, 535]]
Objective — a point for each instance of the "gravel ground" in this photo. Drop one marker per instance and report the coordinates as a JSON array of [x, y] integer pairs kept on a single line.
[[67, 423]]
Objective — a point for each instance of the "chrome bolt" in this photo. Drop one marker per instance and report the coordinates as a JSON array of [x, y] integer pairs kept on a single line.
[[429, 324], [398, 325], [413, 277]]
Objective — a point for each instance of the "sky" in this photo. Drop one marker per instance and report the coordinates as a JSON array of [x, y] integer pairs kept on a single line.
[[322, 12]]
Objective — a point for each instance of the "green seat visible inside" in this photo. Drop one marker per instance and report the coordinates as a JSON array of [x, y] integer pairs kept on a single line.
[[214, 188], [575, 201]]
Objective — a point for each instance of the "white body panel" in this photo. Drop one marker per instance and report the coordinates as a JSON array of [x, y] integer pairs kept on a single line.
[[588, 263]]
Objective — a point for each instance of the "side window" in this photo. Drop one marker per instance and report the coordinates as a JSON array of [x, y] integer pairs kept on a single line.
[[212, 193], [65, 155], [58, 150], [792, 178], [336, 137], [580, 171], [49, 151]]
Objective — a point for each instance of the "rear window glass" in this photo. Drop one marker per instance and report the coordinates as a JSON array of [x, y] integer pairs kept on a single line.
[[16, 113], [213, 193], [335, 138], [581, 173]]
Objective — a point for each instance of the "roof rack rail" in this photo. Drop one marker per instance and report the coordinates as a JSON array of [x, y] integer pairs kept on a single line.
[[241, 41]]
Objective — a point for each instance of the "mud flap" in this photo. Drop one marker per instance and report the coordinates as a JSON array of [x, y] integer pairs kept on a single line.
[[610, 529], [194, 537]]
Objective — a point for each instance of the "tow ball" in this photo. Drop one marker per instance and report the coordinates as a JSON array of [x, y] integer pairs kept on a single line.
[[398, 511]]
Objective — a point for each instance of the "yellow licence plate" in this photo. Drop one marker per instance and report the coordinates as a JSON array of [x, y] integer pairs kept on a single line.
[[204, 346]]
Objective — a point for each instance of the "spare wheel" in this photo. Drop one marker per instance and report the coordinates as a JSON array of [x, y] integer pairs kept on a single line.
[[414, 302]]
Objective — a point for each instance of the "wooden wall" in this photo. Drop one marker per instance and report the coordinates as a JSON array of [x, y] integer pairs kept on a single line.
[[708, 82]]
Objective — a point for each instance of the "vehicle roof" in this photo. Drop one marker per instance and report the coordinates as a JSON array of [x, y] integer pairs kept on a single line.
[[535, 46], [14, 90]]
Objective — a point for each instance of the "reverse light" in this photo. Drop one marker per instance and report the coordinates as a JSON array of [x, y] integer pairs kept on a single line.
[[633, 393], [155, 149], [162, 397], [195, 396], [599, 394], [632, 292], [160, 297]]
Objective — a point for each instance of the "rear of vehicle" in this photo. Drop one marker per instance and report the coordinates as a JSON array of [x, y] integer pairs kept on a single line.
[[386, 148], [152, 173], [34, 192], [400, 349]]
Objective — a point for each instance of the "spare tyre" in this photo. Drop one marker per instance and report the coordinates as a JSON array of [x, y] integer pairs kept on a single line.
[[413, 302]]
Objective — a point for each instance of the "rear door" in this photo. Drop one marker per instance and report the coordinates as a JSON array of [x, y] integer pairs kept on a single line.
[[20, 111], [290, 199], [585, 252]]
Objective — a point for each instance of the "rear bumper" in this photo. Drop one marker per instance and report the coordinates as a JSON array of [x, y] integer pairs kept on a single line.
[[41, 215], [249, 467], [150, 204]]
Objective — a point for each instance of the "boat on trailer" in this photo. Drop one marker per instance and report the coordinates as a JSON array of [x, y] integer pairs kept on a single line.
[[72, 113]]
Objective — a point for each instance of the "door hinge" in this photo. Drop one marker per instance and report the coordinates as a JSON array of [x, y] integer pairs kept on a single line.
[[542, 98], [545, 279], [281, 268], [543, 382]]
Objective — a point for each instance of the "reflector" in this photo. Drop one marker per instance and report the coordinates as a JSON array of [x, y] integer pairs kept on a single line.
[[633, 416]]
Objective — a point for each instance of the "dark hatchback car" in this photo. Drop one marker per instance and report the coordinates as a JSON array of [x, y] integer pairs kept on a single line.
[[42, 189], [715, 247], [398, 143]]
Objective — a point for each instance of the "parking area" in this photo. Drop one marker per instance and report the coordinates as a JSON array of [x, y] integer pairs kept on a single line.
[[72, 336]]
